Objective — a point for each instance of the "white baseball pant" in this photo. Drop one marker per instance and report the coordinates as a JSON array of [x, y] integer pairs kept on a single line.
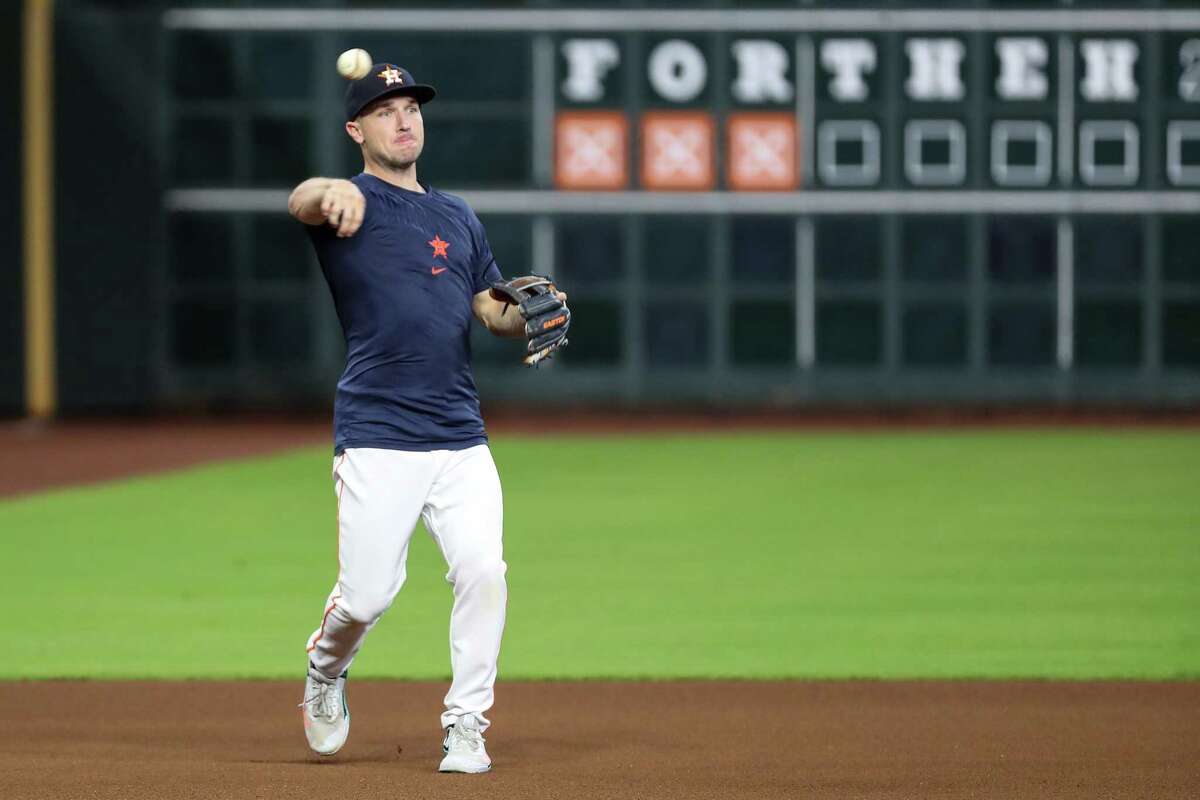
[[380, 495]]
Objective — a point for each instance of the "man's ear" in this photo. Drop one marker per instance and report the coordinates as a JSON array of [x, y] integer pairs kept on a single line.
[[354, 132]]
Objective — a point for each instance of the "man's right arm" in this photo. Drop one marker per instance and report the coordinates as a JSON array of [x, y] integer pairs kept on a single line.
[[329, 201]]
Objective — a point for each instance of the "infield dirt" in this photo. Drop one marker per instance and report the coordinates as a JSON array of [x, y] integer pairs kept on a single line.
[[761, 740], [666, 740]]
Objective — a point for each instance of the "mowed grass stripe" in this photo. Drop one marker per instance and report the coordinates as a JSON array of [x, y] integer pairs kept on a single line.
[[1055, 554]]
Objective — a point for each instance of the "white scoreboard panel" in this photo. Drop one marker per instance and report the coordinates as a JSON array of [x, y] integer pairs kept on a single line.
[[764, 111], [1049, 96]]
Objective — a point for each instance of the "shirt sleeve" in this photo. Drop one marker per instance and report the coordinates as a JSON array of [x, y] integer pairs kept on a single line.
[[485, 271], [324, 237]]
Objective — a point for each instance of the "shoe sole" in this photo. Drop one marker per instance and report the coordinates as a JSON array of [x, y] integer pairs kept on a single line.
[[326, 755], [337, 749], [468, 770]]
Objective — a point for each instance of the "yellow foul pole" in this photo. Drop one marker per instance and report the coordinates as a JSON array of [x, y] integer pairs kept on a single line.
[[41, 391]]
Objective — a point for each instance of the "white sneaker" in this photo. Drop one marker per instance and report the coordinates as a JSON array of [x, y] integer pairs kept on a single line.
[[464, 748], [326, 715]]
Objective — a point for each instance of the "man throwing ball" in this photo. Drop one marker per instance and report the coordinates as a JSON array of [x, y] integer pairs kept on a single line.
[[408, 267]]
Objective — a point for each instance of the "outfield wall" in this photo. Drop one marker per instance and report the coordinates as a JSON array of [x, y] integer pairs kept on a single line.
[[792, 207]]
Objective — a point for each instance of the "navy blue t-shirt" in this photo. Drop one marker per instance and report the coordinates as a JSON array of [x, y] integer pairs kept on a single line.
[[403, 286]]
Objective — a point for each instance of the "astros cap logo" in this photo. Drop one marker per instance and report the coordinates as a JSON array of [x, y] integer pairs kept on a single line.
[[391, 75]]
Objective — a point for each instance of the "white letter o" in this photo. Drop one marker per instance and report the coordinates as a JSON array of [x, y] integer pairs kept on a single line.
[[677, 70]]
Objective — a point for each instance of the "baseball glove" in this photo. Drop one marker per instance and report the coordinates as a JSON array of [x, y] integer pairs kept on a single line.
[[546, 317]]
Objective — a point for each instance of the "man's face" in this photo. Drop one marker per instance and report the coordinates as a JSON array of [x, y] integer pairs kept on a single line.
[[390, 131]]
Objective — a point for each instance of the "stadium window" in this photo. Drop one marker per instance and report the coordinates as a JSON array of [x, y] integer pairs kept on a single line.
[[201, 248], [1020, 152], [935, 334], [202, 66], [490, 350], [589, 249], [848, 249], [510, 238], [281, 250], [934, 249], [1108, 152], [676, 249], [598, 343], [763, 333], [1022, 250], [1108, 333], [281, 149], [849, 333], [935, 152], [202, 150], [1021, 334], [676, 334], [281, 333], [848, 152], [1181, 250], [203, 333], [1108, 250], [281, 67], [763, 249], [1183, 152], [1181, 334]]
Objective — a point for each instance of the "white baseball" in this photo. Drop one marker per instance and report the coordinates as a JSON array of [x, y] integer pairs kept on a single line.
[[354, 64]]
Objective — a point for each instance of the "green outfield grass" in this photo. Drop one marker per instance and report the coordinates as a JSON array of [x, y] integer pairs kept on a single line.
[[1056, 554]]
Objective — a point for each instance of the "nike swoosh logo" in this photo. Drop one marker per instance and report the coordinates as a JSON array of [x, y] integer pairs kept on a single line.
[[437, 270]]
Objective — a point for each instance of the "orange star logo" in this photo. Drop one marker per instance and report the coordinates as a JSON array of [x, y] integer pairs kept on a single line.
[[439, 247]]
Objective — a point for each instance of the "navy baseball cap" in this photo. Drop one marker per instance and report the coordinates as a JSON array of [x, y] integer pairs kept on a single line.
[[384, 80]]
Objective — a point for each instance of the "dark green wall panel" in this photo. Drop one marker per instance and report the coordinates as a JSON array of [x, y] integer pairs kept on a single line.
[[107, 204], [12, 384]]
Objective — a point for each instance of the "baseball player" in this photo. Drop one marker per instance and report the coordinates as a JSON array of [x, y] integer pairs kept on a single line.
[[408, 267]]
